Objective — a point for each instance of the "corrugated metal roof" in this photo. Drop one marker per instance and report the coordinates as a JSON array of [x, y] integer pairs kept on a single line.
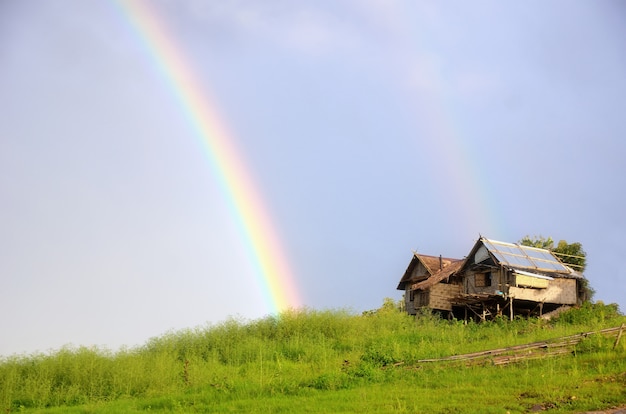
[[525, 257]]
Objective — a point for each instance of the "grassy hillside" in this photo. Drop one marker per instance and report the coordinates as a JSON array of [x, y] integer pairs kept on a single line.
[[328, 361]]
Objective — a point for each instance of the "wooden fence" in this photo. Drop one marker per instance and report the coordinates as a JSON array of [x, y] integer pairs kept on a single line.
[[535, 350]]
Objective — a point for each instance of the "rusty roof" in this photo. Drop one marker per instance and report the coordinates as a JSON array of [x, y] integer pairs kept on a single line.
[[445, 272], [433, 265]]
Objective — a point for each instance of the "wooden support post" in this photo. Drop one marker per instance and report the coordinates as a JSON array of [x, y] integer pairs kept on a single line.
[[541, 309], [511, 306], [619, 335]]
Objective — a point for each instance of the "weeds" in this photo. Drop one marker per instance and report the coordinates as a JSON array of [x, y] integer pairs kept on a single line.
[[301, 353]]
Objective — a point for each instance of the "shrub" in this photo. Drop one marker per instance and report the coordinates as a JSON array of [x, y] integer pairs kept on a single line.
[[594, 343], [589, 313]]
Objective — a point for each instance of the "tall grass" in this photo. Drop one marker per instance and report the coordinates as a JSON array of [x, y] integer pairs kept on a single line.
[[297, 354]]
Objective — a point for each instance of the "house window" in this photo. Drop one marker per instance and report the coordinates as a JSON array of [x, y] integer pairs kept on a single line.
[[422, 298], [411, 295], [482, 279]]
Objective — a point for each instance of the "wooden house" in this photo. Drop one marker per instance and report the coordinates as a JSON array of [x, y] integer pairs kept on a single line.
[[496, 278], [507, 279], [429, 282]]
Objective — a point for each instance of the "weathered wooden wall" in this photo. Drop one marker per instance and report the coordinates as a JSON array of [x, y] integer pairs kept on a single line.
[[419, 272], [498, 282], [408, 303], [422, 298], [441, 295], [559, 291]]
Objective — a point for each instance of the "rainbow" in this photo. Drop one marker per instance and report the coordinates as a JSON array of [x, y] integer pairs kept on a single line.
[[258, 232]]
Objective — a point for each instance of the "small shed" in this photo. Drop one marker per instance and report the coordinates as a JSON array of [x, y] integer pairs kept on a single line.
[[429, 282]]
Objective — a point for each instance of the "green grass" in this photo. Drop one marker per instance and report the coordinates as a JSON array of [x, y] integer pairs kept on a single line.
[[333, 361]]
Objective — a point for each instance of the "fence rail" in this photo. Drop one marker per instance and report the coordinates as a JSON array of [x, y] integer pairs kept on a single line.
[[534, 350]]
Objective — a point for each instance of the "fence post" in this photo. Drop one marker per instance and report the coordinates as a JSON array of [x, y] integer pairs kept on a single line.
[[619, 335]]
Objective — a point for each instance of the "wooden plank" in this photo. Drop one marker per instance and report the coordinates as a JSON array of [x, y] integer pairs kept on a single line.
[[552, 347]]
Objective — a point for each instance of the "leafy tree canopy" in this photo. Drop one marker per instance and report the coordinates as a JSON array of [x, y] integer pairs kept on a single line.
[[572, 254], [539, 242]]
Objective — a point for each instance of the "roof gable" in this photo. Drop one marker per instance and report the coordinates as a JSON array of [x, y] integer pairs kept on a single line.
[[516, 256], [432, 264], [440, 275]]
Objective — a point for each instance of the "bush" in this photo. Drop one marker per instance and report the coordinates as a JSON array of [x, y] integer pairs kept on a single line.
[[594, 343], [589, 313], [380, 355]]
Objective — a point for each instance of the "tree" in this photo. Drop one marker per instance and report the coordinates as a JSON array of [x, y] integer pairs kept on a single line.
[[539, 242], [571, 254]]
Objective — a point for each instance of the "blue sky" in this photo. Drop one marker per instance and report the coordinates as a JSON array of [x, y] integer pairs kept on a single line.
[[372, 128]]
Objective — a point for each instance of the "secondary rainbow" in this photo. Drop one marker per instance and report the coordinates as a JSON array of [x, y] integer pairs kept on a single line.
[[248, 209]]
